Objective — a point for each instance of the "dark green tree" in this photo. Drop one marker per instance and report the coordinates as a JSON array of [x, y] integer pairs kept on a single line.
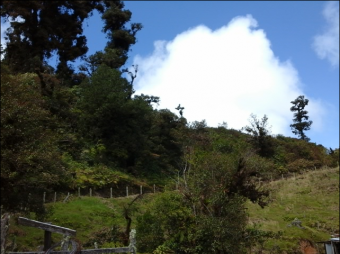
[[120, 37], [166, 140], [44, 28], [165, 225], [135, 136], [108, 114], [30, 160], [301, 123], [207, 214], [260, 135]]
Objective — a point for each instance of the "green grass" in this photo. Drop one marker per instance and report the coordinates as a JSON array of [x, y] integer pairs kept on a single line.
[[312, 197]]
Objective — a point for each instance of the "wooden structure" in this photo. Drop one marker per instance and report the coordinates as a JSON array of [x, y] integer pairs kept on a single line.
[[49, 228]]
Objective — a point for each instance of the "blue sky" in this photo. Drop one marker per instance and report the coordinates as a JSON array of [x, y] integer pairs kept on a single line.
[[224, 60]]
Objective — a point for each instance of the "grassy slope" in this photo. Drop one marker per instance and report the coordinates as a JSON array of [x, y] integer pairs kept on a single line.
[[312, 197]]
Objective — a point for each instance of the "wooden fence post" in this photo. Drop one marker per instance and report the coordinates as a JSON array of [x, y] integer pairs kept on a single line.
[[4, 228], [111, 192], [141, 189], [47, 240], [154, 188], [90, 192], [127, 191], [68, 195]]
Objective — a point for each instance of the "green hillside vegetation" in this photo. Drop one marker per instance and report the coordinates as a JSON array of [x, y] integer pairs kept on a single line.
[[218, 190], [312, 197]]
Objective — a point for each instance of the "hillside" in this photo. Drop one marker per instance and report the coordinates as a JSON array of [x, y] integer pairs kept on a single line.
[[311, 197], [76, 141]]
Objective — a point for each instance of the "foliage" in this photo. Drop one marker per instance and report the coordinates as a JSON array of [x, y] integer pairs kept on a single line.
[[62, 130], [165, 223], [207, 215], [300, 126], [38, 34], [334, 157], [312, 197], [62, 105], [260, 135], [130, 133], [120, 38], [166, 141], [111, 118], [256, 237], [30, 160], [291, 152]]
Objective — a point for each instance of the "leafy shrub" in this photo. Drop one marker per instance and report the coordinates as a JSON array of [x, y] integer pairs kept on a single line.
[[300, 165]]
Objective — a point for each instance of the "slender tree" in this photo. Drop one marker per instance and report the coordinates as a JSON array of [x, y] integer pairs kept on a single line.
[[120, 37], [260, 135], [301, 123]]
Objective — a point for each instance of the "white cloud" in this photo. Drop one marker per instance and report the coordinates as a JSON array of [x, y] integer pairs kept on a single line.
[[326, 45], [4, 27], [5, 24], [224, 75]]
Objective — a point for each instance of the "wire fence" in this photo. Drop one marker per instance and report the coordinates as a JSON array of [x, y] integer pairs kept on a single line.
[[48, 197], [128, 191]]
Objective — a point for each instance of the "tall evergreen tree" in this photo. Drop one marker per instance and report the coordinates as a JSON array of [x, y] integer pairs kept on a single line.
[[40, 29], [300, 124], [44, 28], [120, 37]]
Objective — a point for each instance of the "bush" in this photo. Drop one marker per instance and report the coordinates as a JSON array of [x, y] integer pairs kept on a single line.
[[301, 164]]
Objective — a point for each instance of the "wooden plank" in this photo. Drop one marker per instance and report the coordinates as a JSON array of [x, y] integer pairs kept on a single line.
[[89, 251], [46, 226], [29, 252], [109, 250]]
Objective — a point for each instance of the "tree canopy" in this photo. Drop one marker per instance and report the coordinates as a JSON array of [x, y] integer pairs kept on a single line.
[[40, 29], [43, 28], [30, 160]]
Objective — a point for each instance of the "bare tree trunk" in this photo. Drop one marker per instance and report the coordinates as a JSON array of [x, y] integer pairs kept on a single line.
[[4, 228], [128, 219]]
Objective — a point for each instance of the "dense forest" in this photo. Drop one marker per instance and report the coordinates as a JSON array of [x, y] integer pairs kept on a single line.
[[63, 128]]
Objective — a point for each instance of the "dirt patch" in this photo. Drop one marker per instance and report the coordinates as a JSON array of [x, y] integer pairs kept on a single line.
[[307, 247]]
